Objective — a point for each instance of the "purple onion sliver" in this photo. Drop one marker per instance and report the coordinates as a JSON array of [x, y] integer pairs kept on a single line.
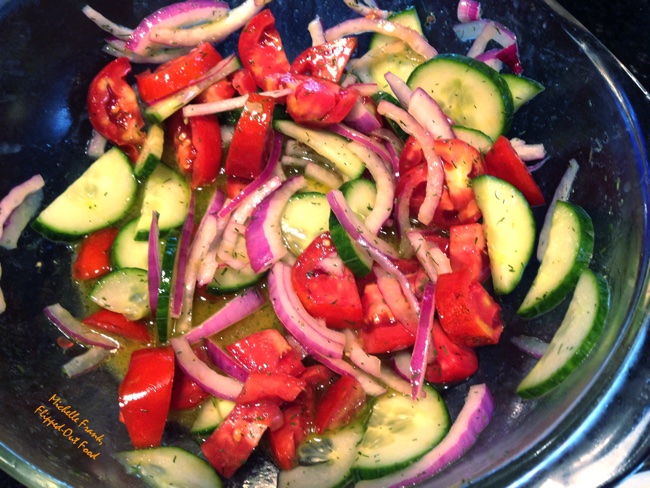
[[532, 346], [472, 419], [468, 11], [225, 362], [339, 366], [399, 87], [86, 361], [428, 113], [214, 383], [361, 118], [235, 310], [16, 197], [153, 272], [19, 218], [77, 330], [182, 260], [418, 364], [354, 135]]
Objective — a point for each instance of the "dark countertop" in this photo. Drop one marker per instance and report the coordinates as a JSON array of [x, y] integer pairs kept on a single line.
[[620, 26]]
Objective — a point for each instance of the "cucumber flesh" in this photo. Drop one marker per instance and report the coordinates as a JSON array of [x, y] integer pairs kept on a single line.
[[360, 194], [569, 252], [151, 153], [400, 431], [305, 217], [126, 252], [167, 269], [509, 229], [470, 92], [124, 291], [162, 467], [211, 413], [230, 280], [325, 460], [475, 138], [329, 145], [101, 196], [522, 89], [166, 192], [578, 333]]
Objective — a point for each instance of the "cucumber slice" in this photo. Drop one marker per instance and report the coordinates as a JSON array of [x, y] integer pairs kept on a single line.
[[400, 431], [126, 251], [166, 192], [378, 97], [167, 268], [169, 466], [400, 62], [578, 333], [509, 229], [123, 291], [325, 460], [101, 196], [569, 252], [329, 145], [305, 217], [522, 89], [360, 194], [474, 138], [470, 92], [230, 280], [151, 153], [211, 414]]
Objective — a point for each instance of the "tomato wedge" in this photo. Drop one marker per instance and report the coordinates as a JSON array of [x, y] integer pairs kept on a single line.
[[468, 249], [276, 387], [145, 394], [94, 254], [261, 51], [176, 74], [467, 312], [243, 82], [283, 442], [118, 324], [231, 444], [450, 362], [327, 60], [113, 108], [503, 162], [197, 146], [248, 149], [332, 298], [340, 404], [266, 351]]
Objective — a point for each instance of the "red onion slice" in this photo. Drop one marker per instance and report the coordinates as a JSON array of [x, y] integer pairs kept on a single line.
[[431, 257], [339, 366], [229, 103], [417, 42], [303, 327], [325, 176], [225, 362], [428, 113], [96, 145], [317, 32], [17, 208], [264, 242], [117, 47], [353, 135], [472, 419], [183, 253], [528, 152], [468, 11], [532, 346], [232, 312], [207, 378], [153, 268], [397, 302], [105, 24], [211, 32], [367, 8], [3, 303], [418, 364], [400, 89], [360, 358], [86, 361], [176, 15], [77, 330], [361, 118]]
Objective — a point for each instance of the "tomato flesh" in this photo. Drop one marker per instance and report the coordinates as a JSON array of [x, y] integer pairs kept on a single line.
[[186, 393], [327, 60], [340, 404], [450, 362], [266, 351], [468, 249], [277, 387], [145, 395], [116, 323], [94, 255], [332, 298]]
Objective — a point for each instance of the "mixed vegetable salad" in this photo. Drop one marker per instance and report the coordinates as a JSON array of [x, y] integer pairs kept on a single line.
[[303, 254]]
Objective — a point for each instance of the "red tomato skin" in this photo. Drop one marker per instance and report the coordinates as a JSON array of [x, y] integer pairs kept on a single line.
[[467, 312], [248, 149], [231, 444], [235, 185], [118, 324], [94, 255], [113, 108], [186, 393], [503, 162], [197, 146], [277, 387], [261, 51], [145, 394], [411, 155], [243, 82], [176, 74], [390, 338], [468, 249], [332, 298], [326, 60], [283, 441], [221, 90], [266, 351], [451, 363], [340, 404]]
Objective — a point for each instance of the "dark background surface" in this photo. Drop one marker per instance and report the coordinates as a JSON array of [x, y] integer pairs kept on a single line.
[[620, 26]]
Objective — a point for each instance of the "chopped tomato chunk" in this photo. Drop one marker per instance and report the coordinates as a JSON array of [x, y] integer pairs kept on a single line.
[[276, 387], [450, 362], [94, 254], [340, 404], [186, 393], [327, 60], [266, 351], [468, 249], [118, 324]]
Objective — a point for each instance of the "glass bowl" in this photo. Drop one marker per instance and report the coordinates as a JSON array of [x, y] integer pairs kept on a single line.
[[594, 426]]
